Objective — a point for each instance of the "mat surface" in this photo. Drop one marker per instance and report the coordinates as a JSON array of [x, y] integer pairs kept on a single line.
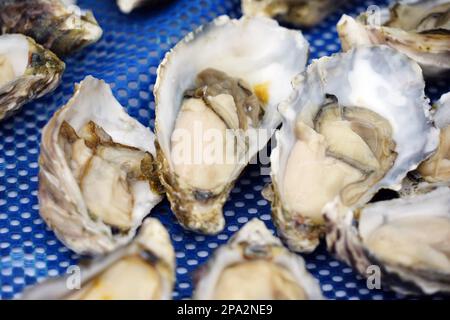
[[127, 57]]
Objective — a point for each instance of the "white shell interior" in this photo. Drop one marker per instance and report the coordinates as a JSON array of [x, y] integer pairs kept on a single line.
[[255, 232], [377, 78], [434, 203], [14, 48], [240, 49], [95, 102]]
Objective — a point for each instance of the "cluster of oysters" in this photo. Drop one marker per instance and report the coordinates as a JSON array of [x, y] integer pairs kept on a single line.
[[352, 124]]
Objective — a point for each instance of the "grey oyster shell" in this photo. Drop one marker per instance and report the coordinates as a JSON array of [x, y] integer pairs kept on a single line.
[[60, 28], [29, 71]]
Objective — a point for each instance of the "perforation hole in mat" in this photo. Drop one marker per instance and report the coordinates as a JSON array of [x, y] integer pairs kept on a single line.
[[127, 57]]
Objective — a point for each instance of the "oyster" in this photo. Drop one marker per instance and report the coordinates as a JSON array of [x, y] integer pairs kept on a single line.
[[306, 13], [408, 239], [143, 270], [27, 71], [357, 122], [57, 26], [437, 167], [254, 265], [97, 177], [420, 29], [126, 6], [216, 96]]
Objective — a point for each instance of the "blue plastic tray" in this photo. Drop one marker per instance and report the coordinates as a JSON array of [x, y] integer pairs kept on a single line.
[[127, 57]]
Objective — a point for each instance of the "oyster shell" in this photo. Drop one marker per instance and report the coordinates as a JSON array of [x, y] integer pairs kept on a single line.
[[221, 82], [357, 122], [437, 167], [97, 177], [420, 29], [407, 239], [52, 23], [126, 6], [143, 270], [27, 71], [306, 13], [255, 265]]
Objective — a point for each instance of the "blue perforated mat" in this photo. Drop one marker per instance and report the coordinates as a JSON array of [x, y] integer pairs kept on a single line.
[[127, 57]]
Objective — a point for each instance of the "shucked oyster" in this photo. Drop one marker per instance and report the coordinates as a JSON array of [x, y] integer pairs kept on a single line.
[[437, 167], [97, 180], [408, 239], [216, 97], [298, 12], [27, 71], [254, 265], [419, 28], [357, 122], [52, 23], [126, 6], [143, 270]]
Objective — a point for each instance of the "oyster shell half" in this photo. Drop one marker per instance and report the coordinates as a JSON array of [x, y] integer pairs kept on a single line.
[[437, 167], [357, 122], [420, 29], [306, 13], [216, 96], [126, 6], [27, 71], [143, 270], [407, 240], [57, 26], [254, 265], [97, 177]]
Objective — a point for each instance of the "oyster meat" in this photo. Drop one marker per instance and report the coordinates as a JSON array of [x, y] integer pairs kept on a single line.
[[306, 13], [437, 168], [55, 24], [27, 71], [357, 122], [216, 96], [419, 28], [143, 270], [254, 265], [406, 239], [97, 177]]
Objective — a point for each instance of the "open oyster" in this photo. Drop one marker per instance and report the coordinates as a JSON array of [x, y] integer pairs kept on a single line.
[[254, 265], [97, 179], [143, 270], [27, 71], [357, 122], [306, 13], [408, 239], [216, 96], [437, 167], [420, 29], [126, 6], [54, 24]]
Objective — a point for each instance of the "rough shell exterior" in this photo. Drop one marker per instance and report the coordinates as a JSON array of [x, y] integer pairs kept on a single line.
[[53, 25], [43, 75]]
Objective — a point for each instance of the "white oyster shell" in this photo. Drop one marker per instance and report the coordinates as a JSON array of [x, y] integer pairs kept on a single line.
[[306, 13], [238, 48], [152, 246], [414, 258], [376, 78], [254, 242], [412, 27], [62, 204], [23, 79]]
